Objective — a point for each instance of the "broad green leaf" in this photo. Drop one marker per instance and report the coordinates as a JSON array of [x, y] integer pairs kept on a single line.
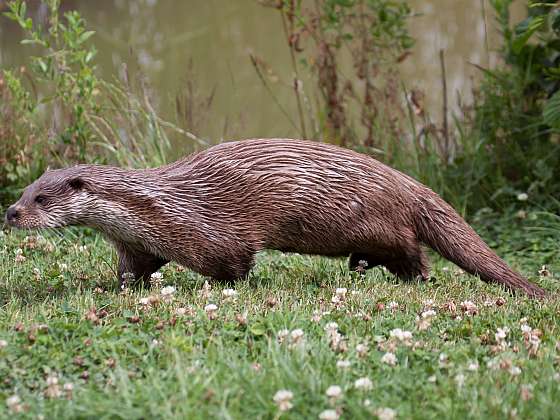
[[524, 31], [85, 36], [551, 111]]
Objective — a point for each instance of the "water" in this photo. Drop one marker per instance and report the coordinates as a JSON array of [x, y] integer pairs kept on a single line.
[[161, 37]]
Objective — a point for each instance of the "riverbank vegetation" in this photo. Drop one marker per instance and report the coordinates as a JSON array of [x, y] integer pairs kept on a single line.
[[504, 145]]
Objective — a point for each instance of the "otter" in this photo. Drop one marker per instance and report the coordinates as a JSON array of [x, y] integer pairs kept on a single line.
[[214, 210]]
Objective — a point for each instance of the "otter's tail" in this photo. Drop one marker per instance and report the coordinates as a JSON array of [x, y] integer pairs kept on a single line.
[[439, 226]]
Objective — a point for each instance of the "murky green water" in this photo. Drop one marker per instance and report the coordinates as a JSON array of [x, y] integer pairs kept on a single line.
[[161, 37]]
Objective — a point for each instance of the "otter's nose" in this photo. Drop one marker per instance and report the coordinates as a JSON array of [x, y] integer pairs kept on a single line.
[[11, 214]]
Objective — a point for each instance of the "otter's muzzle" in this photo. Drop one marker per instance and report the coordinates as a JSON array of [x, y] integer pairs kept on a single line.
[[12, 214]]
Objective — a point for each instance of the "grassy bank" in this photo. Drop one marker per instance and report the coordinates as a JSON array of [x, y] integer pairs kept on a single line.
[[72, 345]]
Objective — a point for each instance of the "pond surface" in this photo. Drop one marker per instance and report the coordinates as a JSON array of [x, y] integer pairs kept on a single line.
[[162, 37]]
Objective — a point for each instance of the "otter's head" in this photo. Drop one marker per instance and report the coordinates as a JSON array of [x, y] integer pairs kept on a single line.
[[58, 198]]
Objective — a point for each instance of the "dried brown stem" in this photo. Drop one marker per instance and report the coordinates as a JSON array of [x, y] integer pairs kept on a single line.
[[445, 122]]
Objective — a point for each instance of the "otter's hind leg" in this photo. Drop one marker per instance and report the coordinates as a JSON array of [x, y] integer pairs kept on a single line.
[[141, 264], [412, 265], [408, 264]]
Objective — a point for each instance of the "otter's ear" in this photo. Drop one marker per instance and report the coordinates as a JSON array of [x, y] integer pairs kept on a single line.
[[76, 184]]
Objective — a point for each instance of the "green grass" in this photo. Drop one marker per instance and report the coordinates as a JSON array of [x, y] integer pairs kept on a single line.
[[62, 316]]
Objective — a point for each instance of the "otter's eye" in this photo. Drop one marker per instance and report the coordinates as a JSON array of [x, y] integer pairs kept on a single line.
[[40, 199]]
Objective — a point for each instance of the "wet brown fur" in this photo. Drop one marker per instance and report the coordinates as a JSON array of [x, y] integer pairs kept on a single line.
[[213, 211]]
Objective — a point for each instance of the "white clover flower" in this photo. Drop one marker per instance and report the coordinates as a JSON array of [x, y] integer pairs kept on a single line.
[[241, 318], [473, 366], [14, 404], [469, 307], [400, 334], [389, 359], [428, 304], [396, 333], [3, 343], [336, 341], [53, 390], [362, 349], [283, 399], [211, 310], [167, 291], [515, 371], [363, 383], [341, 292], [343, 364], [229, 293], [157, 276], [428, 314], [522, 196], [443, 360], [68, 389], [501, 334], [336, 299], [329, 415], [521, 214], [392, 305], [281, 335], [316, 317], [493, 364], [296, 336], [52, 380], [211, 307], [526, 329], [385, 413], [331, 326], [181, 311], [334, 391], [144, 301], [13, 400]]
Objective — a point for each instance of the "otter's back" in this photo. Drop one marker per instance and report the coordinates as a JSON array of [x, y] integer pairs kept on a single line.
[[299, 195]]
